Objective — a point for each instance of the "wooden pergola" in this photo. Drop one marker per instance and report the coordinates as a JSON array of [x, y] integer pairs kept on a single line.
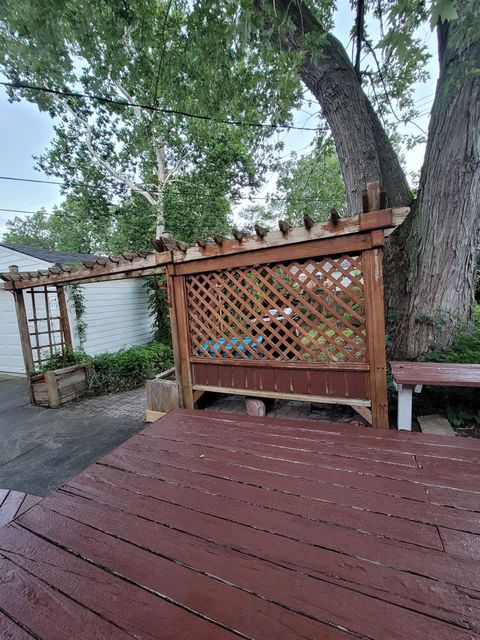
[[48, 329], [296, 313]]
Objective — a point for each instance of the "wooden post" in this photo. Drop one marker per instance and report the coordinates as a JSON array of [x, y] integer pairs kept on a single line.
[[64, 321], [24, 337], [375, 321], [53, 392], [180, 338], [375, 313], [23, 330]]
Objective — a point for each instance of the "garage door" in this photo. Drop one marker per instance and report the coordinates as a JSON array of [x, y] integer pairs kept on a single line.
[[11, 359]]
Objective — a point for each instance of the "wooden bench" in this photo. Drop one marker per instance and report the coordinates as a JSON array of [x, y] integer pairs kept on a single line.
[[411, 376]]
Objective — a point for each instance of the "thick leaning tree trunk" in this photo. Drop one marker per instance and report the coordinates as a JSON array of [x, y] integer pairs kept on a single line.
[[436, 247], [364, 150], [430, 260]]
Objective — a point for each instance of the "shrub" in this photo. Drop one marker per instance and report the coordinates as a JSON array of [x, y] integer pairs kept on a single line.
[[128, 368], [466, 344], [125, 369], [65, 359]]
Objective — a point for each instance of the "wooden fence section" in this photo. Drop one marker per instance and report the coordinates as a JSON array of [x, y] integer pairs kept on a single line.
[[303, 320]]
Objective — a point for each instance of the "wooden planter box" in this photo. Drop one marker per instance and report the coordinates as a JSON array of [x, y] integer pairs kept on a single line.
[[53, 388], [162, 395]]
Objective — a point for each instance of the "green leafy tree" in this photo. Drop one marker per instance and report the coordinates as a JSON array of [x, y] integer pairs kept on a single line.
[[430, 260], [265, 215], [154, 53], [311, 185], [31, 231]]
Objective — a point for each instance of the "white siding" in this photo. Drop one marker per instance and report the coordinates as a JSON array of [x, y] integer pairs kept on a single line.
[[116, 315], [11, 358]]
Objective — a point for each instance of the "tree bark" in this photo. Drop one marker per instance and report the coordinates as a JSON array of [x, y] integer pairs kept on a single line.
[[365, 152], [430, 269], [430, 260]]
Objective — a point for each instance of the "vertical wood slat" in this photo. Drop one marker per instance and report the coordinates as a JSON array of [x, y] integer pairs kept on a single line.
[[64, 321], [35, 324], [375, 315]]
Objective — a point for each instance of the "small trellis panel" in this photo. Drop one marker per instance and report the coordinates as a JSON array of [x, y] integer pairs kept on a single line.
[[48, 328]]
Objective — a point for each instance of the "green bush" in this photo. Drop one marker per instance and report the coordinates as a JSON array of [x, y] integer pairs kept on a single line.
[[65, 359], [125, 369], [128, 368], [465, 346]]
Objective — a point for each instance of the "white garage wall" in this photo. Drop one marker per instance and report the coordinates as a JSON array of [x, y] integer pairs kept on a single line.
[[116, 315], [11, 358]]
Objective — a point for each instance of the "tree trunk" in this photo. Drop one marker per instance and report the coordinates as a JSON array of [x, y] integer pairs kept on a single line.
[[430, 259], [430, 270], [365, 152]]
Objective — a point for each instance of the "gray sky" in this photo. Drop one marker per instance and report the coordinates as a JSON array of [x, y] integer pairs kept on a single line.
[[26, 132]]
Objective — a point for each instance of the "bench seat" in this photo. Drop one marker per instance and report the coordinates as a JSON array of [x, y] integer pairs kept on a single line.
[[411, 376]]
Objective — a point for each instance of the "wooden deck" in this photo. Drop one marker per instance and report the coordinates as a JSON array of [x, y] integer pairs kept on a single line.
[[209, 526]]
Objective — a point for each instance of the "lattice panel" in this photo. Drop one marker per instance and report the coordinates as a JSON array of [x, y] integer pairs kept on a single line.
[[45, 326], [310, 310]]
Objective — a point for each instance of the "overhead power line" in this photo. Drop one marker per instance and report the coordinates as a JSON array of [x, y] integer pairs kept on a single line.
[[31, 180], [23, 211], [149, 107], [186, 196]]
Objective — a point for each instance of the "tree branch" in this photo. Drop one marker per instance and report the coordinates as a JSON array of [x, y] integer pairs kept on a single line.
[[359, 28], [138, 112], [106, 165]]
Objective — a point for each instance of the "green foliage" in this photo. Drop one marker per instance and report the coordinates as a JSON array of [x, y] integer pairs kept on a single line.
[[460, 404], [311, 184], [128, 368], [307, 185], [79, 306], [125, 369], [175, 56], [66, 359], [158, 309], [30, 231], [264, 215], [465, 347]]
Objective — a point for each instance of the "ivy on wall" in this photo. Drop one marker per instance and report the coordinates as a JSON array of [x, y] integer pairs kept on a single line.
[[78, 298]]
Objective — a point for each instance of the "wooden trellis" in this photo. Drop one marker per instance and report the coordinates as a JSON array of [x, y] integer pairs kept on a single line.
[[294, 315], [49, 327]]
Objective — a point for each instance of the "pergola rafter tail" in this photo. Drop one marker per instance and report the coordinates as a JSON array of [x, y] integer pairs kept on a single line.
[[128, 265]]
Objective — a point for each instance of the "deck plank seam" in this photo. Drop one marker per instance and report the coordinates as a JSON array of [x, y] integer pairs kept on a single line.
[[293, 513], [303, 496]]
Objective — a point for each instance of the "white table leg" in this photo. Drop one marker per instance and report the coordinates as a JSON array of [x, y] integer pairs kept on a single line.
[[404, 413]]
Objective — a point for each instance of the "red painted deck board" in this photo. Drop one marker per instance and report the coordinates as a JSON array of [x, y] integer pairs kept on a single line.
[[13, 503], [215, 526]]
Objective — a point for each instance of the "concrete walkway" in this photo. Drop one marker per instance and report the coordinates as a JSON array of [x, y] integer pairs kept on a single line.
[[41, 449]]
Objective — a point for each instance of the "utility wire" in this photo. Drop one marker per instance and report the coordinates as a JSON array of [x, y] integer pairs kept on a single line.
[[184, 195], [147, 107]]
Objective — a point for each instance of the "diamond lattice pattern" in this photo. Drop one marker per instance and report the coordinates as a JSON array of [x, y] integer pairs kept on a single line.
[[307, 310]]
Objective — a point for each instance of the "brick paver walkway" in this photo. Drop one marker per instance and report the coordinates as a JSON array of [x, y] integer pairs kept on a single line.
[[283, 409], [126, 404]]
